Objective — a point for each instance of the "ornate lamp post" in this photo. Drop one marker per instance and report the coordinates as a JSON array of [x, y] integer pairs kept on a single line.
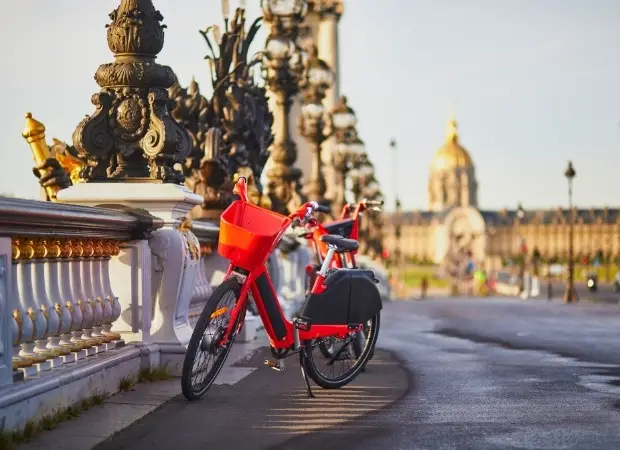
[[317, 78], [397, 204], [284, 62], [522, 249], [342, 123], [569, 295]]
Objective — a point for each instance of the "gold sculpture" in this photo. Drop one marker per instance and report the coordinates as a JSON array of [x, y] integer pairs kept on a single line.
[[34, 133], [72, 165]]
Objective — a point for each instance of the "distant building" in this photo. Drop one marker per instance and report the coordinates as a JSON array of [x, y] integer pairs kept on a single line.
[[454, 226]]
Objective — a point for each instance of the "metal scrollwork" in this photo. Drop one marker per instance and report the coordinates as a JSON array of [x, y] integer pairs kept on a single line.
[[231, 132]]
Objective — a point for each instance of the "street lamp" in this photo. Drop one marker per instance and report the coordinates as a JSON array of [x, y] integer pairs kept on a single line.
[[522, 249], [284, 62], [342, 122], [397, 204], [317, 79], [569, 295]]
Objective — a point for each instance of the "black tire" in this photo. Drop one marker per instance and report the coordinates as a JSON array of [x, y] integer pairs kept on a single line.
[[328, 382], [327, 347], [358, 344], [198, 343]]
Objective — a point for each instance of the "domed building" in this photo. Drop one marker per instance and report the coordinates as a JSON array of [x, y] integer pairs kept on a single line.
[[452, 180], [455, 228]]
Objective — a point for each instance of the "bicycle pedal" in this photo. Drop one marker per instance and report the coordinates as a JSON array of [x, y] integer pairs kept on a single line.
[[277, 366], [302, 323]]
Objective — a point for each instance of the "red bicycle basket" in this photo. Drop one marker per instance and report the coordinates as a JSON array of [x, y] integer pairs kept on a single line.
[[248, 234]]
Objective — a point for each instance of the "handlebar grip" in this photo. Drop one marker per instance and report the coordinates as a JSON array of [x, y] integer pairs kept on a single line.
[[374, 203], [323, 209]]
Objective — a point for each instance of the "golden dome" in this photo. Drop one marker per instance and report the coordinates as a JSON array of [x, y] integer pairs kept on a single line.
[[451, 155]]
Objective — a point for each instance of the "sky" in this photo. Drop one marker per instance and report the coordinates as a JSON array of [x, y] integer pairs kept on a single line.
[[532, 84]]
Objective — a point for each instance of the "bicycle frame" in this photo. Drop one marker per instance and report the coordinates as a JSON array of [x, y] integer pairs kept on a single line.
[[344, 259], [282, 333]]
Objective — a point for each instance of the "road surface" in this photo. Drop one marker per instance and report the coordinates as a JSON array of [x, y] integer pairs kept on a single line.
[[453, 374]]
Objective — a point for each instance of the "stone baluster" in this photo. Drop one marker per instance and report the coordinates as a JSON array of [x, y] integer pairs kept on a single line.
[[25, 269], [21, 325], [44, 304], [27, 307], [88, 247], [80, 300], [5, 319], [100, 295], [202, 289], [73, 339], [57, 304], [110, 249]]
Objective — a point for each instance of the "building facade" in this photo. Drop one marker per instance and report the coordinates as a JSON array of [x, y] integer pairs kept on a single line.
[[454, 227]]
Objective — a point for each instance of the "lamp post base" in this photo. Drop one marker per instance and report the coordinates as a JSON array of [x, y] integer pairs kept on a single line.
[[569, 295]]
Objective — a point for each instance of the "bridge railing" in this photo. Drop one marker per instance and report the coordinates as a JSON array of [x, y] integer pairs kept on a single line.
[[59, 300]]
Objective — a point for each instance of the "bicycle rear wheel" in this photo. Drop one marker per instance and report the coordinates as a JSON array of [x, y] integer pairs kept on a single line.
[[205, 345], [322, 370], [360, 339]]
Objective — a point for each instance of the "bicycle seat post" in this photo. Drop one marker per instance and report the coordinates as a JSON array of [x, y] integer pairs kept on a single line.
[[331, 251]]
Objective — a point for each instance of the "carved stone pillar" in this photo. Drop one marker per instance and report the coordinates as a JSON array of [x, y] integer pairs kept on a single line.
[[329, 12], [284, 67]]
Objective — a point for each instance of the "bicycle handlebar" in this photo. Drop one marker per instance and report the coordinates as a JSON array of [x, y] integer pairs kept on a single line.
[[304, 213], [371, 203]]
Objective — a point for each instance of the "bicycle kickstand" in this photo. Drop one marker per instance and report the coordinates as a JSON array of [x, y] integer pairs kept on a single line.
[[302, 358]]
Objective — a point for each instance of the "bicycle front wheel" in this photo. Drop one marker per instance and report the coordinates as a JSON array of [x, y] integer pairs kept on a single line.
[[340, 368], [206, 353]]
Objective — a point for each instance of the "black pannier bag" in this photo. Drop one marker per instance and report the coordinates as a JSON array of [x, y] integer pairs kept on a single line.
[[351, 298]]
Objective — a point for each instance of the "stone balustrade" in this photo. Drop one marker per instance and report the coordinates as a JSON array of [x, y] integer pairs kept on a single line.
[[60, 301]]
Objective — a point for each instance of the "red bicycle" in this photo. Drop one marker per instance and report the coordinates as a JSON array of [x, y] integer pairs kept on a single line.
[[347, 226], [339, 304]]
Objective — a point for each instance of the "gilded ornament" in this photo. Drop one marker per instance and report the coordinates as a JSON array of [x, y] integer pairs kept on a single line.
[[98, 248], [77, 248], [116, 248], [33, 317], [107, 248], [54, 249], [72, 165], [34, 133], [26, 249], [17, 315], [19, 362], [116, 336], [89, 248], [15, 251], [66, 248], [40, 249]]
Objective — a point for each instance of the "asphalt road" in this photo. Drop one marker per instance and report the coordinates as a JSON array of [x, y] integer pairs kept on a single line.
[[605, 292], [476, 374], [267, 410]]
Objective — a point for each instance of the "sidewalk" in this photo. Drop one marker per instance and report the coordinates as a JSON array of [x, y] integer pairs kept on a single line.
[[121, 410]]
